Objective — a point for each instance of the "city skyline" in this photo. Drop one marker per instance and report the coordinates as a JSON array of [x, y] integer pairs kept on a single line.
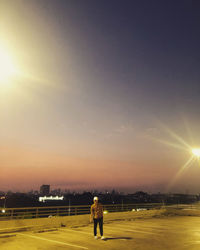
[[99, 94]]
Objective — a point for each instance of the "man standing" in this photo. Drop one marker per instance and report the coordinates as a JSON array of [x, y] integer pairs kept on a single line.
[[97, 216]]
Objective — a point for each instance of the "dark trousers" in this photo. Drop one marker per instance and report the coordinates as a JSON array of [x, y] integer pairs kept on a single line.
[[100, 221]]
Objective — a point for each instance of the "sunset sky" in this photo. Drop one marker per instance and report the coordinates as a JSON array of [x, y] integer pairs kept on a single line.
[[100, 94]]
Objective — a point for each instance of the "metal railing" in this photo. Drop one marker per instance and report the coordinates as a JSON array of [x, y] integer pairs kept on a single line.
[[50, 211]]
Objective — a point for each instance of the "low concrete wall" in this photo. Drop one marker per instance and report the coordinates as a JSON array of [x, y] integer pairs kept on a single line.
[[73, 221]]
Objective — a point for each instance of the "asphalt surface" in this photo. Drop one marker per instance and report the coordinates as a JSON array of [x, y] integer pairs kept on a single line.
[[149, 234]]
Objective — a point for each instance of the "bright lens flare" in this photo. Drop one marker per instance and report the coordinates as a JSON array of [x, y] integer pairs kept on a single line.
[[196, 152], [7, 69]]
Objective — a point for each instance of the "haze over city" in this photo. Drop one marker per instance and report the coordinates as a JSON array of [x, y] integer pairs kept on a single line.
[[100, 95]]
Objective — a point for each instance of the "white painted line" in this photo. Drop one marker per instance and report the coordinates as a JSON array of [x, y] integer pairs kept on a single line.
[[83, 232], [159, 227], [142, 227], [53, 241], [67, 229], [196, 242], [76, 231], [122, 228], [91, 231]]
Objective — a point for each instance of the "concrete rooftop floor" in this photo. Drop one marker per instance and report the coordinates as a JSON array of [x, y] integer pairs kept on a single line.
[[146, 234]]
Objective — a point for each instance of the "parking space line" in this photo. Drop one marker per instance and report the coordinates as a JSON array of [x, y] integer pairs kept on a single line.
[[159, 227], [131, 230], [113, 228], [135, 225], [53, 241], [77, 231], [143, 227], [83, 232]]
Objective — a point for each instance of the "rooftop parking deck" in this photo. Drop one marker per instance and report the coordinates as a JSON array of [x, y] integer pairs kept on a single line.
[[145, 234]]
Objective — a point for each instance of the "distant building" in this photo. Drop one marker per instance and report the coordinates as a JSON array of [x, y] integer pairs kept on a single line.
[[56, 192], [45, 189]]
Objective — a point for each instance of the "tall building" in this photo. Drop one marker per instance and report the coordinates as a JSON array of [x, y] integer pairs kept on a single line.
[[45, 189]]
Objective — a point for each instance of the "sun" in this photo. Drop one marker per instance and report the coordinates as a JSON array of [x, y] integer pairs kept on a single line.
[[7, 68]]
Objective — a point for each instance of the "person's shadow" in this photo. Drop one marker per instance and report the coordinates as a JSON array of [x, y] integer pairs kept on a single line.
[[118, 238]]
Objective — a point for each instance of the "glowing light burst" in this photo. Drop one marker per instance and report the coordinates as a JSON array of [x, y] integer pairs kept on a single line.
[[15, 78], [176, 137], [171, 144], [180, 144], [7, 68], [186, 165], [196, 152]]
